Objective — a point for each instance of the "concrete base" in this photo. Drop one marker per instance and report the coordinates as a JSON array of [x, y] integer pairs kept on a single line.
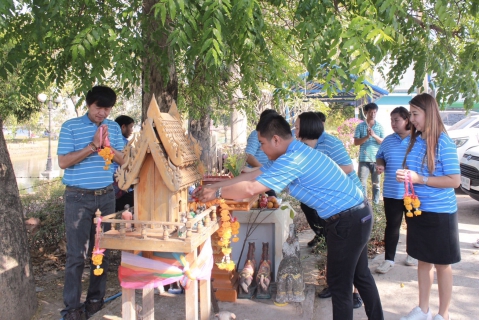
[[279, 218]]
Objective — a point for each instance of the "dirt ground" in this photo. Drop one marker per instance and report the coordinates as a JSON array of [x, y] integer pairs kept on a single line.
[[49, 278]]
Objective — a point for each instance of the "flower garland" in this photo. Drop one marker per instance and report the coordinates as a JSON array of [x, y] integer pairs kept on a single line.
[[228, 232], [106, 153], [97, 254], [411, 200]]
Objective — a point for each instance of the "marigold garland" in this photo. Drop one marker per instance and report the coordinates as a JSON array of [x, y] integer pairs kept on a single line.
[[411, 200], [107, 154], [97, 254], [228, 231]]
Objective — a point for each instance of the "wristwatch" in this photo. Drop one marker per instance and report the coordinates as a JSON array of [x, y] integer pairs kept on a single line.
[[218, 193], [424, 179]]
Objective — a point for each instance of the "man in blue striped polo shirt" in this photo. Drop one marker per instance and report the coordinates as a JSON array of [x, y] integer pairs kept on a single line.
[[88, 188], [369, 135], [314, 179]]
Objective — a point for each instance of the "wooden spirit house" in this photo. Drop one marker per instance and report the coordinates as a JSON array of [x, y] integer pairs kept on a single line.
[[161, 163]]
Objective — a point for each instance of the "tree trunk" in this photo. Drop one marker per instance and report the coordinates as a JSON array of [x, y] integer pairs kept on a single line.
[[200, 130], [18, 297], [159, 72]]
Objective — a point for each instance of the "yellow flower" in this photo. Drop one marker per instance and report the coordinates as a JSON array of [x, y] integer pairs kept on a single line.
[[416, 203], [98, 271], [408, 207], [407, 200], [409, 214], [418, 212], [97, 259], [226, 250], [235, 239]]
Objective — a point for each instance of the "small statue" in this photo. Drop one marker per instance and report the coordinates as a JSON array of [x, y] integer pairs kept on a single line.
[[290, 273], [246, 277], [127, 215], [263, 278]]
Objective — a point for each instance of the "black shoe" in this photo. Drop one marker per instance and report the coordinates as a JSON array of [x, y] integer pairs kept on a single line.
[[357, 301], [325, 293], [92, 307], [75, 314], [313, 242]]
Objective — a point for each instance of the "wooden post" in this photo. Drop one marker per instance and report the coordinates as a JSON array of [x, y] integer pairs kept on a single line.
[[191, 294], [205, 297], [128, 304], [148, 312]]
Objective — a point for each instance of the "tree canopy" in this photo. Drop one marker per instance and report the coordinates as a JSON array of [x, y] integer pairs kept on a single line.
[[208, 50]]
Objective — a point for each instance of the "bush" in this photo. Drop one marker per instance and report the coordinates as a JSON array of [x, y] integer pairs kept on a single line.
[[345, 133], [47, 205]]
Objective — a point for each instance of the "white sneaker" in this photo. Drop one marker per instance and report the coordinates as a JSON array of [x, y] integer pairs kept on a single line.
[[417, 314], [439, 317], [410, 261], [385, 267], [476, 244]]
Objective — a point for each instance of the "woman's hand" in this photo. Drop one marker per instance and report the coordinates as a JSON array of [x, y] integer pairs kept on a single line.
[[380, 169], [401, 175]]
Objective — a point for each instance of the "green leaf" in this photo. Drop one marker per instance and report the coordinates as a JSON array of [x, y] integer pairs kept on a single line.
[[172, 9], [291, 214], [284, 207]]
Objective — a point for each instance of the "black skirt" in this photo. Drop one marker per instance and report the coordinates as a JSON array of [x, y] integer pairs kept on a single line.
[[434, 238]]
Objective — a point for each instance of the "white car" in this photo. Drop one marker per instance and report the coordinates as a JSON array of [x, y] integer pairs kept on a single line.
[[465, 133], [470, 172]]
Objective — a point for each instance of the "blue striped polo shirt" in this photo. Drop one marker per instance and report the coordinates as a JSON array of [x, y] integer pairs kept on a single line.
[[440, 200], [392, 151], [75, 135], [253, 147], [368, 150], [334, 148], [313, 178]]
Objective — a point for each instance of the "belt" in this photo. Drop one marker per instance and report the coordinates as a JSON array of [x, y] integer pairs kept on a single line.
[[96, 192], [345, 212]]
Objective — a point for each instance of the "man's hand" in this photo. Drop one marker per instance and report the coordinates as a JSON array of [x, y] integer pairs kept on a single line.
[[204, 193], [97, 139], [372, 133]]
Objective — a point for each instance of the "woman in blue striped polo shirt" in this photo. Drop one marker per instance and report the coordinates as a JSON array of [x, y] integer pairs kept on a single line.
[[389, 159], [432, 237]]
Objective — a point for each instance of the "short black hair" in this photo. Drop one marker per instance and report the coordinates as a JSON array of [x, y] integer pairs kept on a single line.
[[264, 114], [274, 124], [102, 96], [321, 116], [310, 126], [124, 120], [371, 106]]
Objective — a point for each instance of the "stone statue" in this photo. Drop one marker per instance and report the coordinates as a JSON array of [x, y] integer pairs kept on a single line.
[[263, 278], [290, 285], [246, 285]]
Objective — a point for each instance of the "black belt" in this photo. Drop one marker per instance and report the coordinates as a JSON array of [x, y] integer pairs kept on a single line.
[[345, 212], [96, 192]]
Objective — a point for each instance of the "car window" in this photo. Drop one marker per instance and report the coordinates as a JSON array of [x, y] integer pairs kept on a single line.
[[475, 125], [464, 123]]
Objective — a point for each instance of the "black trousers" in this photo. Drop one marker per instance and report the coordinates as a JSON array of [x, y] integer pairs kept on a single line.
[[315, 222], [347, 264], [394, 210]]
